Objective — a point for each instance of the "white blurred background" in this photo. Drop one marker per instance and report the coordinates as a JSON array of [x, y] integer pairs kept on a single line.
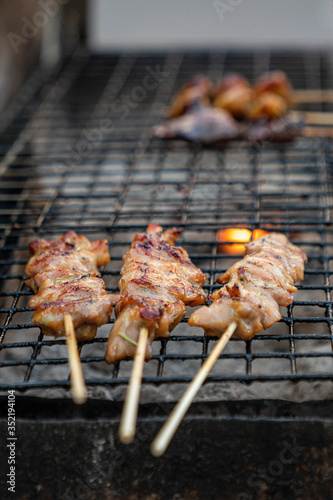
[[199, 24]]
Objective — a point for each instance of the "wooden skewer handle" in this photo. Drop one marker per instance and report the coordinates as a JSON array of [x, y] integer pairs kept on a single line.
[[310, 96], [318, 117], [309, 131], [78, 386], [131, 405], [163, 438]]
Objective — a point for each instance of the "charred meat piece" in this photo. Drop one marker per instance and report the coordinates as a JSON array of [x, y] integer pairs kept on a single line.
[[267, 106], [203, 124], [254, 288], [71, 255], [276, 82], [64, 276], [269, 99], [193, 92], [158, 280], [237, 101], [273, 96], [283, 129], [230, 81], [231, 110], [235, 95]]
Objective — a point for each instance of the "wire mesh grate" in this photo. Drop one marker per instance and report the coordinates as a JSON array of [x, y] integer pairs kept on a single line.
[[79, 155]]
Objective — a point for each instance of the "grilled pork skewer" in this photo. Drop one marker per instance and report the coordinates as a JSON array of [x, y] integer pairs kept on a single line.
[[234, 109], [234, 94], [276, 82], [158, 279], [197, 90], [270, 97], [74, 286], [264, 108], [253, 289], [69, 292]]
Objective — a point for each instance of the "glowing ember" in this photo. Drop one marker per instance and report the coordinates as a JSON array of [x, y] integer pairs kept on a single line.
[[236, 236]]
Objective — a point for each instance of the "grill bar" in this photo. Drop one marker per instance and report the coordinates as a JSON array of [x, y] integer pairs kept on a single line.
[[78, 154]]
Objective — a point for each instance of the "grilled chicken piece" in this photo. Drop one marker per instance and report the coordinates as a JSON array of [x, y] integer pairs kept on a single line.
[[234, 94], [201, 124], [230, 81], [269, 99], [194, 91], [71, 255], [276, 82], [254, 288], [237, 101], [65, 275], [273, 97], [232, 110], [267, 106], [158, 279]]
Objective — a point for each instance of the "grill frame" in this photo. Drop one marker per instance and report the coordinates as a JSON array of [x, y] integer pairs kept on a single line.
[[141, 157]]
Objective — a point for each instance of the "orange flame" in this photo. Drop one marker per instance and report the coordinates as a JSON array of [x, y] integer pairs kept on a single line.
[[237, 237]]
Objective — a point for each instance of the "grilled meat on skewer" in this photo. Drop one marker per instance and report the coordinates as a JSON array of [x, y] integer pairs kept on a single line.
[[229, 82], [201, 124], [233, 110], [276, 82], [270, 97], [71, 255], [193, 92], [273, 97], [64, 275], [254, 288], [237, 101], [267, 106], [158, 279], [234, 94]]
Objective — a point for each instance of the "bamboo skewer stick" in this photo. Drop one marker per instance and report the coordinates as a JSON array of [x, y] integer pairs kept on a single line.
[[312, 96], [163, 438], [78, 386], [318, 117], [131, 405], [309, 131], [313, 117]]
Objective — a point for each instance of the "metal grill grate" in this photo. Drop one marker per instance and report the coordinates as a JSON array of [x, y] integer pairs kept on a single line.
[[79, 154]]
